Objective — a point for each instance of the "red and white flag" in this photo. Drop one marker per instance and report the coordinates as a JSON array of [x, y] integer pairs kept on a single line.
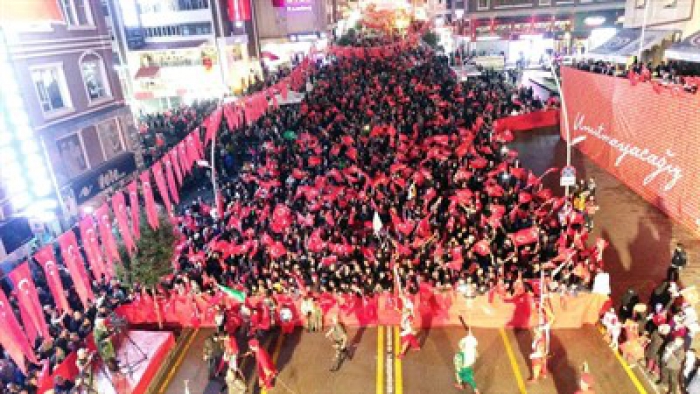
[[134, 209], [47, 260], [12, 337], [28, 299], [157, 169], [170, 178], [91, 246], [76, 267], [119, 208], [151, 210], [104, 224]]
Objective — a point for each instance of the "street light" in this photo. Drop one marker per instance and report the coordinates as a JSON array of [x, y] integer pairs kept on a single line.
[[565, 114]]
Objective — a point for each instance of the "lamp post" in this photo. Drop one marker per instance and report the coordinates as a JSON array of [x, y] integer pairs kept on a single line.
[[565, 115]]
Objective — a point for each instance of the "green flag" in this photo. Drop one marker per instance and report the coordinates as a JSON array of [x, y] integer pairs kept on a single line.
[[233, 293]]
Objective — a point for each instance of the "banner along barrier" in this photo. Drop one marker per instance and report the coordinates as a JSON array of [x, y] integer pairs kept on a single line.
[[646, 136], [527, 122], [432, 309]]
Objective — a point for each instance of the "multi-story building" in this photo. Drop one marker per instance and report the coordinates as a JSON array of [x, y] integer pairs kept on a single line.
[[532, 28], [182, 50], [67, 111]]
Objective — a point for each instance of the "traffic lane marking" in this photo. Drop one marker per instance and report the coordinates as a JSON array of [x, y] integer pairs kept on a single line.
[[513, 361]]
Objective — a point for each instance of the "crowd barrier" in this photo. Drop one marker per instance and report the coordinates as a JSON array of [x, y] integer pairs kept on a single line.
[[527, 122], [648, 138], [431, 310]]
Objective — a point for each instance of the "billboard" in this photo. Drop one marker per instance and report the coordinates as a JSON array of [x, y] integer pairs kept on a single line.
[[647, 136]]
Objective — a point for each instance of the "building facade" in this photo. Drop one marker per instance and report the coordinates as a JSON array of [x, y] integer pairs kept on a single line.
[[75, 108], [178, 51]]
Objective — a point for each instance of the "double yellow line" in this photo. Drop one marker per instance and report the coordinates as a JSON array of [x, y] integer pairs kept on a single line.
[[397, 368]]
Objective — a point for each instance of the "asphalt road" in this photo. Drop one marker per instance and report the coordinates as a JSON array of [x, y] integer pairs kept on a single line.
[[502, 367]]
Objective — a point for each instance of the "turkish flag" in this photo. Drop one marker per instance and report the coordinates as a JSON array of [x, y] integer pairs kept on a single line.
[[91, 246], [28, 299], [526, 236], [193, 154], [76, 267], [151, 211], [315, 243], [170, 178], [104, 224], [482, 248], [281, 218], [12, 337], [47, 260], [134, 209], [175, 161], [277, 250], [213, 122], [119, 208], [185, 163], [157, 170]]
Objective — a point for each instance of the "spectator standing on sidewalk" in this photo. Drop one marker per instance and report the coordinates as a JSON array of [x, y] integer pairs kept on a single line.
[[678, 261]]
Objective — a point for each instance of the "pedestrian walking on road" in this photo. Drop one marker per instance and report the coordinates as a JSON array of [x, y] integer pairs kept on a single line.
[[212, 353], [464, 361], [266, 369], [339, 335], [671, 365], [538, 356], [407, 334], [586, 382]]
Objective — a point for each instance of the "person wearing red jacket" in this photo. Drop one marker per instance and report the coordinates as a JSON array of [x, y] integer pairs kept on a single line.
[[266, 368]]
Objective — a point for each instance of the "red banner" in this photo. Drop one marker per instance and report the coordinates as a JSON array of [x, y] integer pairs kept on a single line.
[[28, 299], [151, 210], [157, 169], [12, 337], [47, 260], [239, 10], [119, 208], [646, 139], [91, 246], [134, 209], [104, 224], [76, 267], [170, 178], [175, 161]]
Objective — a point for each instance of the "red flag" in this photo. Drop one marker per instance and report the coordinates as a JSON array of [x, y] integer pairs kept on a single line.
[[526, 236], [157, 169], [28, 299], [12, 337], [151, 212], [119, 208], [213, 122], [134, 205], [277, 250], [176, 165], [193, 154], [47, 261], [104, 224], [91, 246], [185, 163], [170, 178], [482, 248]]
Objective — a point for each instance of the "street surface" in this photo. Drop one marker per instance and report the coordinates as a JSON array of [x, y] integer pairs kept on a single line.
[[641, 238]]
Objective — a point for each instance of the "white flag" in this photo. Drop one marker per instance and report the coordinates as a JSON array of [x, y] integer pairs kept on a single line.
[[377, 223]]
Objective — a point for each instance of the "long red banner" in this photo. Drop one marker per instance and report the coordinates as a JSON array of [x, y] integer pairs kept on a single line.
[[649, 138]]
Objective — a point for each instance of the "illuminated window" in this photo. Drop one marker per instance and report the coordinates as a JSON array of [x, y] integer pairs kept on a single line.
[[51, 89], [72, 155], [110, 138], [93, 70]]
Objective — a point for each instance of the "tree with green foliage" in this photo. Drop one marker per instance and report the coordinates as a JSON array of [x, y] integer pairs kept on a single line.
[[431, 39], [152, 258]]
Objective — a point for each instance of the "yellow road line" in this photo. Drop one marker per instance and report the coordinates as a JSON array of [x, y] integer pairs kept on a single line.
[[178, 361], [275, 355], [398, 371], [513, 362], [633, 377], [380, 360]]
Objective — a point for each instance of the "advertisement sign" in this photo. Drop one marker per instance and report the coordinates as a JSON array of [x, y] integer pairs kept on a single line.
[[102, 178], [648, 140]]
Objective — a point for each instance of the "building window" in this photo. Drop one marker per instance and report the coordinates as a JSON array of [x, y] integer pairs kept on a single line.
[[50, 84], [76, 12], [483, 4], [670, 3], [110, 138], [94, 76], [640, 3], [72, 155], [545, 2]]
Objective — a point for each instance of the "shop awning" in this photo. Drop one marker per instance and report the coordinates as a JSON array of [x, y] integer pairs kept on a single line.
[[687, 50], [626, 43], [147, 72]]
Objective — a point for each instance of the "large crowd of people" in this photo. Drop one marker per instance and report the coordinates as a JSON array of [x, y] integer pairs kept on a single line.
[[389, 174], [668, 74]]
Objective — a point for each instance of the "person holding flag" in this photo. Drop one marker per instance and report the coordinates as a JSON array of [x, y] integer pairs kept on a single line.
[[538, 356], [407, 334], [464, 361], [266, 369]]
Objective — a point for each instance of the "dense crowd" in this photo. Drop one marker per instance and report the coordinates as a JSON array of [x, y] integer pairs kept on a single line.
[[670, 74]]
